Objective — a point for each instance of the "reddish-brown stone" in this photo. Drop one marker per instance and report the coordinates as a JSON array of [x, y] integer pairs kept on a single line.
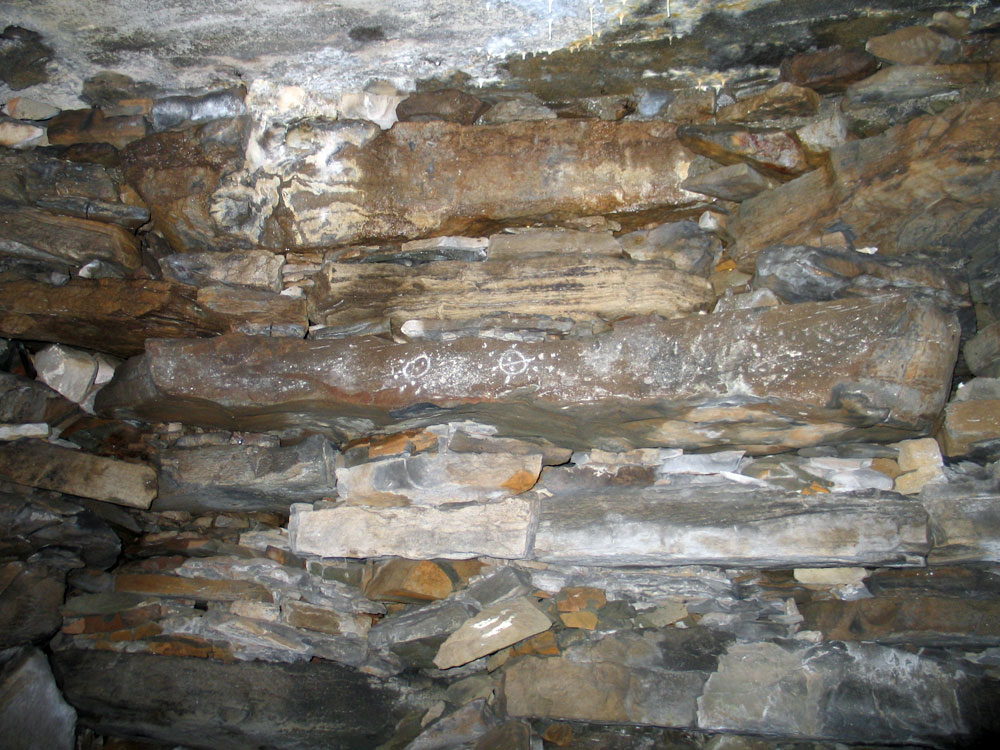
[[828, 70], [774, 151], [447, 104]]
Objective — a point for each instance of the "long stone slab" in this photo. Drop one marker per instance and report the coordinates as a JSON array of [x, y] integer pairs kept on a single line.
[[761, 379], [201, 702], [732, 525], [456, 531], [245, 477], [118, 315], [553, 285], [347, 182]]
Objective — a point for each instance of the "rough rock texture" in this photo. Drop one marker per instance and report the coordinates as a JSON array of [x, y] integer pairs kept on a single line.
[[26, 401], [229, 706], [824, 377], [33, 713], [119, 315], [245, 477]]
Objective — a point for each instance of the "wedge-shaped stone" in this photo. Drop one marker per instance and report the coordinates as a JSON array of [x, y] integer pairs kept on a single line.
[[496, 627], [551, 285], [460, 531], [118, 315], [898, 83], [409, 581], [737, 182], [838, 691], [321, 704], [438, 478], [774, 151], [38, 464], [788, 376], [65, 242], [732, 525], [245, 477], [25, 401], [423, 178]]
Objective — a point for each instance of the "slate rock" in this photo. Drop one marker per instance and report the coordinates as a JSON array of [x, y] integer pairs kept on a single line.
[[650, 382], [783, 100], [898, 83], [74, 126], [667, 526], [459, 729], [497, 586], [828, 70], [982, 351], [408, 581], [229, 706], [972, 428], [689, 247], [496, 627], [964, 520], [416, 635], [769, 150], [33, 713], [253, 268], [737, 182], [536, 241], [912, 45], [30, 597], [245, 477], [174, 111], [28, 401]]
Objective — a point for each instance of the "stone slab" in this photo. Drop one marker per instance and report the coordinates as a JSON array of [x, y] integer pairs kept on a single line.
[[456, 531], [38, 464], [763, 379], [736, 526], [496, 627], [33, 713]]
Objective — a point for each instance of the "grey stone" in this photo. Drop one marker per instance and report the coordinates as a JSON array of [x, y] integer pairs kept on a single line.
[[23, 58], [416, 635], [173, 111], [530, 241], [245, 477], [702, 463], [69, 371], [843, 691], [898, 83], [496, 627], [964, 520], [33, 713], [982, 351], [498, 585], [729, 524], [30, 596], [458, 530], [254, 268], [24, 401], [737, 182], [979, 389], [458, 729], [689, 247], [230, 706]]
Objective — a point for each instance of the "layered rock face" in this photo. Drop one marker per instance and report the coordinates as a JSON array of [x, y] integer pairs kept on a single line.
[[498, 428]]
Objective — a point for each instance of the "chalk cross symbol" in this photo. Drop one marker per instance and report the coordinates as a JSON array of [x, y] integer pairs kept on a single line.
[[417, 367], [513, 362]]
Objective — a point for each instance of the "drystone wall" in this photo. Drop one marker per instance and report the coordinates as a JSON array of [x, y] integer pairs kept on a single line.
[[504, 430]]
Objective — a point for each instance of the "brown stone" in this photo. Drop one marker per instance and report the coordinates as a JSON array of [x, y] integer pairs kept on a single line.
[[828, 70], [783, 100], [73, 126], [583, 620], [650, 382], [451, 105], [203, 589], [39, 464], [912, 45], [559, 734], [408, 581], [971, 428], [543, 644], [24, 401], [773, 151], [65, 241], [907, 618], [323, 619], [576, 598], [982, 351], [119, 315], [919, 186]]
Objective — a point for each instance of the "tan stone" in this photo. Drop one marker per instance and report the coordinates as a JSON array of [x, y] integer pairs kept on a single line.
[[494, 628], [582, 620], [830, 576], [920, 462], [886, 466], [970, 426], [912, 45], [72, 126], [177, 587], [577, 598], [324, 620], [783, 100], [408, 581]]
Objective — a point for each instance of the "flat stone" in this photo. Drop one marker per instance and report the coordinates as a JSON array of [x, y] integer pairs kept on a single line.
[[648, 381], [737, 182], [498, 529], [438, 478], [830, 576], [33, 713], [515, 110], [425, 178], [898, 83], [30, 597], [51, 467], [73, 126], [203, 589], [30, 430], [407, 581], [119, 315], [554, 285], [496, 627], [417, 635], [972, 428], [773, 151], [245, 477], [324, 619], [912, 45], [828, 70], [695, 526], [842, 700], [321, 704], [254, 268], [909, 618], [982, 351], [451, 105], [21, 135], [497, 586], [24, 108], [533, 241], [65, 242], [464, 727], [978, 389], [964, 521], [378, 107], [783, 100], [689, 247]]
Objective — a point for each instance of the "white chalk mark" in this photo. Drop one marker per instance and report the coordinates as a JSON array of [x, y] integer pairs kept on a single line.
[[417, 367]]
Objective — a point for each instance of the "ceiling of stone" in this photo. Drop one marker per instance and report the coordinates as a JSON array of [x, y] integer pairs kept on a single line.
[[331, 46]]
